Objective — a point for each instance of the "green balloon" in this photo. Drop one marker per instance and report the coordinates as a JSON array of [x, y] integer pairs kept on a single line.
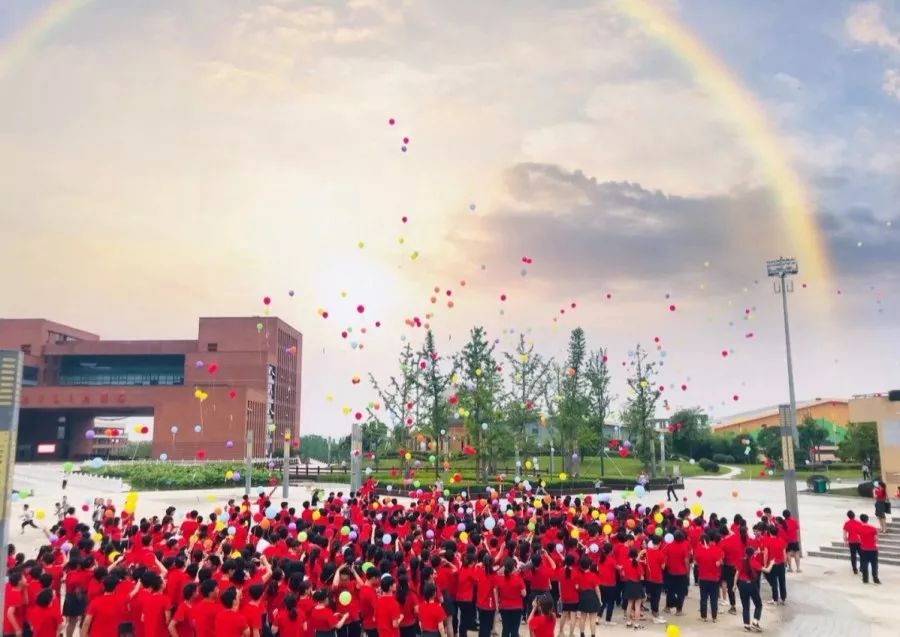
[[658, 531]]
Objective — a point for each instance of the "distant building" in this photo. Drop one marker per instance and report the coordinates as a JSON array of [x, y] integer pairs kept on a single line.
[[246, 370], [884, 411], [831, 413]]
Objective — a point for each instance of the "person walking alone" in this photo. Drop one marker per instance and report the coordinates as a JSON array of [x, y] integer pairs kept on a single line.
[[868, 549], [671, 483], [851, 539], [27, 518]]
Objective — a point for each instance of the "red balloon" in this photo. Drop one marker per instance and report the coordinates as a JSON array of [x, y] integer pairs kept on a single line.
[[391, 121], [759, 513], [201, 454], [469, 451], [699, 493], [360, 308], [671, 308], [266, 300], [502, 297], [404, 219], [724, 353], [623, 452], [85, 507], [232, 394], [213, 368], [358, 415], [453, 400]]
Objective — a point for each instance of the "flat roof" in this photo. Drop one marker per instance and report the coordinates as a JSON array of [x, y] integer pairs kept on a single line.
[[771, 410]]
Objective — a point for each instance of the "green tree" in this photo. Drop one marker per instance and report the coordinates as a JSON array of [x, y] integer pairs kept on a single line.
[[811, 435], [400, 398], [570, 423], [641, 404], [599, 398], [374, 437], [690, 428], [860, 444], [529, 375], [435, 392], [479, 397], [768, 443], [314, 447]]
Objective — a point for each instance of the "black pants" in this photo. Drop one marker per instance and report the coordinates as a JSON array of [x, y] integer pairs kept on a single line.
[[466, 612], [854, 552], [509, 622], [728, 573], [670, 493], [676, 591], [778, 582], [867, 559], [654, 592], [485, 622], [709, 594], [371, 632], [28, 523], [749, 591], [609, 595]]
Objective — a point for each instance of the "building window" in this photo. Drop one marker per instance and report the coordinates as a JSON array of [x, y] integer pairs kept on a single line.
[[26, 349], [61, 432], [212, 347]]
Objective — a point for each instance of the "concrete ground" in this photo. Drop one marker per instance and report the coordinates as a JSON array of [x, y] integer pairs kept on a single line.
[[825, 600]]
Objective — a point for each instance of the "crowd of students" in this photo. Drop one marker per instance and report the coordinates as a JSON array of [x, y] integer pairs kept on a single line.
[[439, 566]]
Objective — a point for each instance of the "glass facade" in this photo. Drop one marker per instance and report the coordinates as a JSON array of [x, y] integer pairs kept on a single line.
[[122, 370]]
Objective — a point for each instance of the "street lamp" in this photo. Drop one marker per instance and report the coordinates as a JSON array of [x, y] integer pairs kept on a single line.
[[780, 269]]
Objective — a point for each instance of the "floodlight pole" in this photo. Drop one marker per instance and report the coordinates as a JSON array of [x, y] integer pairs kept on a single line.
[[780, 269]]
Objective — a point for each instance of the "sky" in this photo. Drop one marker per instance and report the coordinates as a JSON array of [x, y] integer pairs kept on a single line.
[[161, 161]]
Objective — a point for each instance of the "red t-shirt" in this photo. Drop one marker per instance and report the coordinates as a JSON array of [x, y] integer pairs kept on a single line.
[[107, 612], [230, 623], [484, 593], [852, 529], [205, 617], [322, 618], [184, 620], [542, 625], [709, 560], [655, 560], [630, 572], [465, 583], [509, 590], [253, 613], [409, 609], [367, 597], [387, 611], [676, 557], [154, 615], [15, 598], [45, 622], [607, 571], [288, 627], [733, 549], [756, 566], [793, 530], [568, 587], [868, 537], [431, 615], [541, 577], [776, 548], [446, 579], [588, 580]]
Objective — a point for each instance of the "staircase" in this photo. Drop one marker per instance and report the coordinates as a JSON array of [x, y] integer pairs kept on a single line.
[[888, 547]]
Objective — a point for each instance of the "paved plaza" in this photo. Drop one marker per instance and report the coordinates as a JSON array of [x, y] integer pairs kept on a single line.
[[824, 600]]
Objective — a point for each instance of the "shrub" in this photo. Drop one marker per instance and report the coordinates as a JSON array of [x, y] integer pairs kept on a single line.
[[723, 458], [708, 465], [164, 475]]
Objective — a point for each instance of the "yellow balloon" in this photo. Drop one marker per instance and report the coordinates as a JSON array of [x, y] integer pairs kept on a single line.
[[538, 503], [595, 514], [575, 533], [39, 514], [229, 475], [346, 410], [658, 518], [528, 464], [316, 515], [696, 509], [408, 456], [524, 358], [464, 537], [603, 517], [563, 476], [673, 631], [607, 529]]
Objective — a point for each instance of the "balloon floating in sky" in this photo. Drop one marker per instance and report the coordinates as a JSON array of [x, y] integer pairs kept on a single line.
[[266, 300], [290, 293], [671, 308], [360, 308], [391, 122], [472, 207]]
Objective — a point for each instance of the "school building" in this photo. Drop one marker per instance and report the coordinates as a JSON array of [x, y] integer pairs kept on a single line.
[[239, 374]]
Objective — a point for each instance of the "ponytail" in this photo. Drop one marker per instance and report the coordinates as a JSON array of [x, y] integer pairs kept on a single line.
[[508, 567], [290, 603], [570, 560]]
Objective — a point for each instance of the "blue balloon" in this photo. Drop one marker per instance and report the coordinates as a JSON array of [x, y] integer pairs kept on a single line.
[[639, 490], [271, 512], [96, 463]]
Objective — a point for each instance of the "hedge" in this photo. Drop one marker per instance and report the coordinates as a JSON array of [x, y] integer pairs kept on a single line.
[[708, 465], [161, 476]]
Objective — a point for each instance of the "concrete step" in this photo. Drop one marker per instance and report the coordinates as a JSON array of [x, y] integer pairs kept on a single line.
[[889, 561], [837, 546], [883, 542], [842, 553]]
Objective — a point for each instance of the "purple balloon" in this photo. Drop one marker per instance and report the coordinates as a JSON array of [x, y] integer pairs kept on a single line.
[[89, 433]]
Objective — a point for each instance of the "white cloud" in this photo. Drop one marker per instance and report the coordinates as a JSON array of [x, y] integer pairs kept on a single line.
[[866, 24], [891, 83]]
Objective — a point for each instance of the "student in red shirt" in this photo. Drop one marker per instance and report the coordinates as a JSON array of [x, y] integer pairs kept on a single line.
[[748, 587], [289, 621], [851, 538], [792, 533], [568, 594], [709, 557], [388, 611], [609, 583], [655, 564], [879, 494], [409, 606], [432, 613], [205, 610], [230, 621], [542, 620], [105, 613], [774, 550], [589, 606], [485, 603], [509, 589], [868, 549], [632, 588], [322, 621], [182, 622], [465, 594], [156, 609], [44, 617], [368, 594], [678, 557], [14, 604]]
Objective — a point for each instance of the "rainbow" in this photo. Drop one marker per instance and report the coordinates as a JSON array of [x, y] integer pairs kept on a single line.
[[35, 31], [794, 201]]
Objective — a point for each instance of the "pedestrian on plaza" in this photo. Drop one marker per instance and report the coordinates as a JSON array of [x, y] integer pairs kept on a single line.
[[882, 506], [671, 483], [868, 549], [866, 473], [851, 539], [709, 558], [775, 551], [27, 518], [748, 587], [792, 533]]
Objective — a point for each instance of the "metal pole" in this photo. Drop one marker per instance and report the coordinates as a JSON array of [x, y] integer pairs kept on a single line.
[[790, 365], [355, 458], [248, 467], [787, 453], [10, 389], [551, 458], [286, 468], [662, 453]]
